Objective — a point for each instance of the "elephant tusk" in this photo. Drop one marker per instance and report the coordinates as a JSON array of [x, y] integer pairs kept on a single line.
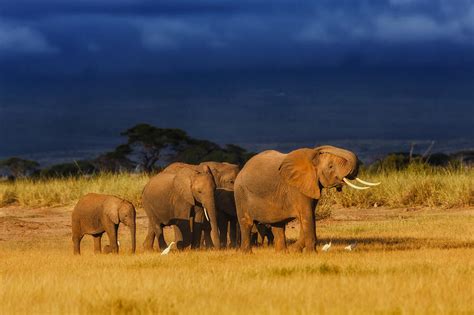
[[352, 185], [205, 213], [366, 183]]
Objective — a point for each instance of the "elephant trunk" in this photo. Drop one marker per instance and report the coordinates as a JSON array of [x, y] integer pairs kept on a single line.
[[210, 209]]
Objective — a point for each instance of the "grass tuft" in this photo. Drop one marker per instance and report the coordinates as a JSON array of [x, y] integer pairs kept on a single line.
[[423, 187]]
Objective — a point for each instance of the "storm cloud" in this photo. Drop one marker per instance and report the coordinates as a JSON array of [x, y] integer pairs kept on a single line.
[[184, 35], [74, 74]]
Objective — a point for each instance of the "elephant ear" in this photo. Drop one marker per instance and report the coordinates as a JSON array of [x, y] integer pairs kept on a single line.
[[298, 170], [212, 172], [182, 184], [111, 210]]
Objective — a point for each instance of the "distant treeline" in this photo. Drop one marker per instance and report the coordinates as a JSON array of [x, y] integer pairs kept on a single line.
[[149, 148]]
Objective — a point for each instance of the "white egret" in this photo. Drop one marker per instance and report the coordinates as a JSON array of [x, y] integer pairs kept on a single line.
[[351, 246], [326, 247], [167, 249]]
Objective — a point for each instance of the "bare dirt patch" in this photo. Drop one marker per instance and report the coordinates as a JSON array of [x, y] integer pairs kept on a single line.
[[27, 224]]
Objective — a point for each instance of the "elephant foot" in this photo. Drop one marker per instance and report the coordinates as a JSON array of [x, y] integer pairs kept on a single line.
[[110, 250], [107, 249], [296, 249], [147, 248], [246, 250], [309, 250]]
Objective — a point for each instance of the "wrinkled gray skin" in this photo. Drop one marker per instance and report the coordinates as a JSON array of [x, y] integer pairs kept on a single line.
[[275, 188], [224, 175], [95, 214], [170, 198]]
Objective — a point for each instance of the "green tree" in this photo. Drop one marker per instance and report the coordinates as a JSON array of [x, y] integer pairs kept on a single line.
[[115, 161], [149, 144], [19, 167]]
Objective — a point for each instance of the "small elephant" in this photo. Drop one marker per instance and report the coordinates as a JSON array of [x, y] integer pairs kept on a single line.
[[260, 232], [95, 214]]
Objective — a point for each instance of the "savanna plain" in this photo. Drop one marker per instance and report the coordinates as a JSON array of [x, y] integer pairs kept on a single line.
[[414, 255]]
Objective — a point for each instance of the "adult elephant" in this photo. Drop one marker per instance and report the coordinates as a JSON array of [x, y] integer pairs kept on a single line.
[[275, 188], [169, 199], [224, 174]]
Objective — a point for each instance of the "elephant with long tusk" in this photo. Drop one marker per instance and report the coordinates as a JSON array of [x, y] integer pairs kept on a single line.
[[274, 188]]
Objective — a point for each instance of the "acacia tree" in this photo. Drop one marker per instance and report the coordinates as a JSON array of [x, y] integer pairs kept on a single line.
[[149, 144]]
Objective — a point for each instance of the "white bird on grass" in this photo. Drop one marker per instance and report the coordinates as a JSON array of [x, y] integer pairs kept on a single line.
[[326, 247], [351, 246], [167, 249]]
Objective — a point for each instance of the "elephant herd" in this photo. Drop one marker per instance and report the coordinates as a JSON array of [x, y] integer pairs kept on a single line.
[[220, 205]]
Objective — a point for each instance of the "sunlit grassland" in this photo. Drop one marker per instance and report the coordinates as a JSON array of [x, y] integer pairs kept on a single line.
[[411, 187], [66, 191], [416, 265]]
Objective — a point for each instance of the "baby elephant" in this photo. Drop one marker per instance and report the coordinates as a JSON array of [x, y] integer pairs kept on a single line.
[[95, 214]]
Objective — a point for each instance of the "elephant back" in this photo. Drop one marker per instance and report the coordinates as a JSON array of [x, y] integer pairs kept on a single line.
[[157, 190], [260, 174]]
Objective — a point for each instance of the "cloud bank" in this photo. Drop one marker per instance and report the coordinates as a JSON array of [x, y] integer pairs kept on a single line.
[[183, 35]]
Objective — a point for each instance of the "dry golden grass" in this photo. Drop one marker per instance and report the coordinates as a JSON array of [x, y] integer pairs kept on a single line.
[[418, 263], [421, 187], [406, 262], [67, 191], [430, 187]]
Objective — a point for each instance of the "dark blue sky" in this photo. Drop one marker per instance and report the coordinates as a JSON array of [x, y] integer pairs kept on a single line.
[[73, 74]]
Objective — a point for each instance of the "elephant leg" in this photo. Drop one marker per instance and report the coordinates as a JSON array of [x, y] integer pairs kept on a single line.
[[245, 232], [299, 244], [254, 239], [197, 233], [308, 226], [206, 237], [111, 230], [186, 236], [262, 231], [158, 232], [280, 238], [97, 243], [76, 240], [238, 236], [270, 236], [150, 237], [233, 226], [197, 223], [245, 221], [202, 230], [178, 237], [222, 223]]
